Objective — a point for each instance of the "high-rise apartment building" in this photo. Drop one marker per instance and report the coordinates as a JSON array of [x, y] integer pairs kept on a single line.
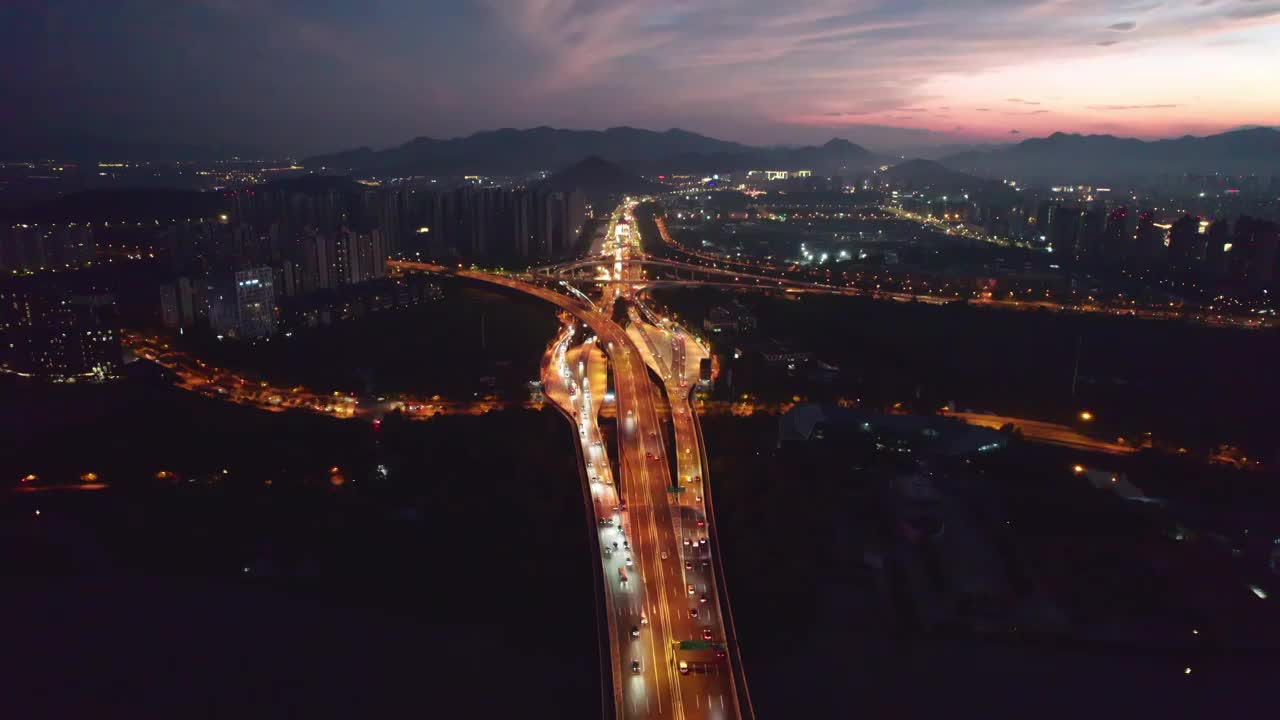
[[242, 303], [52, 333]]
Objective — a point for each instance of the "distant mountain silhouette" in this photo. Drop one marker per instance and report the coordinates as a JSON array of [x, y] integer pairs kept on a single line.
[[1064, 157], [596, 176], [929, 175], [516, 152], [941, 151], [932, 174]]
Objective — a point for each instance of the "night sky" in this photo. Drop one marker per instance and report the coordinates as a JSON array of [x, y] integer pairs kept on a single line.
[[306, 76]]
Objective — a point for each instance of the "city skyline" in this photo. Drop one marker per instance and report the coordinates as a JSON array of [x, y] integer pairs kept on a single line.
[[289, 77], [464, 358]]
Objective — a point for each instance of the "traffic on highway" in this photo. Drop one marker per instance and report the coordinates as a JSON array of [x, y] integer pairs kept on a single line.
[[672, 645]]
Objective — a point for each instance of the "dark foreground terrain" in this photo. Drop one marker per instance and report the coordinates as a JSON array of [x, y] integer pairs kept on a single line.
[[825, 624], [452, 582]]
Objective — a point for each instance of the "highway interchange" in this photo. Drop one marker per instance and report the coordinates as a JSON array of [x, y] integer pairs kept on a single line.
[[672, 646], [673, 651]]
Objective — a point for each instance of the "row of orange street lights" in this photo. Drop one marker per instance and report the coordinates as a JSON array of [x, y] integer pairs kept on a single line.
[[91, 478]]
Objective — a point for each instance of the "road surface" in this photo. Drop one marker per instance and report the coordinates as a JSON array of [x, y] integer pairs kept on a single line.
[[656, 586]]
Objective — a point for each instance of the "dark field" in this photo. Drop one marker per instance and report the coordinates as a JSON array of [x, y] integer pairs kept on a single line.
[[221, 596], [1187, 384], [819, 629]]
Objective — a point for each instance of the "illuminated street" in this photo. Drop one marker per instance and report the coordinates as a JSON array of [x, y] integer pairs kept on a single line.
[[672, 582], [198, 376]]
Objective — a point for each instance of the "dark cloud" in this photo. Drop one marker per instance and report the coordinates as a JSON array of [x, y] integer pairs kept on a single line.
[[1015, 132], [308, 76], [1157, 106], [1252, 10], [1021, 101]]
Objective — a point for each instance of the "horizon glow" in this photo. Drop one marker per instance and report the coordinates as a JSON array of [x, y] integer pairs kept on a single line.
[[307, 76]]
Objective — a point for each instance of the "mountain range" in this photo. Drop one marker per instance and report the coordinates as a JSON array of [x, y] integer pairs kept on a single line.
[[517, 152], [599, 178], [1059, 158], [929, 175], [1067, 158]]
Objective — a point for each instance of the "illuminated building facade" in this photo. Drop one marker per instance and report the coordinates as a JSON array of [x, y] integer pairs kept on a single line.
[[53, 334], [242, 304]]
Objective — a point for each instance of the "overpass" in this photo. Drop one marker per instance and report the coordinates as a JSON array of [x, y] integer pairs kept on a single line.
[[673, 592]]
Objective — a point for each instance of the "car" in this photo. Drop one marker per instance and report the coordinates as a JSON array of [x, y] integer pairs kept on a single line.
[[688, 564], [703, 598], [691, 590], [706, 564], [684, 668], [702, 523], [653, 434], [635, 631], [635, 666], [697, 498], [693, 612], [628, 561], [644, 619], [608, 551], [664, 554], [623, 505], [686, 541], [706, 634]]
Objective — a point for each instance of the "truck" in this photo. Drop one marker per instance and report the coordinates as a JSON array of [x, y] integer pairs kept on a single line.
[[696, 656]]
